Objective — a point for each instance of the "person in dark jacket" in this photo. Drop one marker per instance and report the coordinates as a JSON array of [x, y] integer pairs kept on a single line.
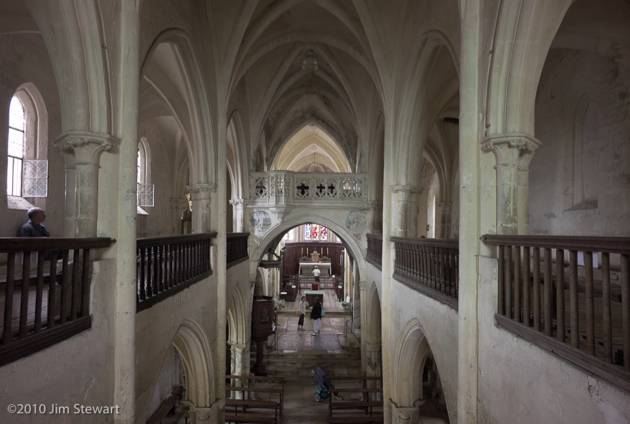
[[316, 316], [34, 227]]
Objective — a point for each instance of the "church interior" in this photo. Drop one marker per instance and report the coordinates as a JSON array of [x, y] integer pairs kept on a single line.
[[450, 179]]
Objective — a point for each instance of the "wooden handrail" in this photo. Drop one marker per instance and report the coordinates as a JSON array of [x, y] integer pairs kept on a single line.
[[236, 248], [583, 244], [34, 244], [168, 265], [430, 266], [51, 295], [532, 288]]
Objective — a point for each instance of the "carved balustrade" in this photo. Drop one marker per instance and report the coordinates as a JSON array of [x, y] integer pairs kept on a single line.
[[375, 249], [45, 290], [236, 248], [284, 188], [429, 266], [570, 295], [167, 265]]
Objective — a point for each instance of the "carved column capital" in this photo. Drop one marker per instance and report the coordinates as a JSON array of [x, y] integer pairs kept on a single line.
[[405, 190], [512, 149], [200, 191], [87, 147], [238, 203]]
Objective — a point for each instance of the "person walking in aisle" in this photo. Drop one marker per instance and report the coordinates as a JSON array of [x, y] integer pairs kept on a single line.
[[316, 316]]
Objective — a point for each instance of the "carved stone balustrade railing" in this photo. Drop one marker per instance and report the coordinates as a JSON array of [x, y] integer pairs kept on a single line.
[[168, 265], [285, 188], [429, 266], [45, 288], [375, 250], [577, 306], [236, 248]]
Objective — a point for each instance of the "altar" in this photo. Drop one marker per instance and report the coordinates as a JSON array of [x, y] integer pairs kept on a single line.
[[312, 294], [306, 268]]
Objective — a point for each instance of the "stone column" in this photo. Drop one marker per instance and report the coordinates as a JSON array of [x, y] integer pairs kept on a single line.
[[514, 153], [407, 211], [201, 195], [405, 414], [239, 206], [71, 181], [445, 219], [203, 415], [239, 364], [376, 216], [87, 148]]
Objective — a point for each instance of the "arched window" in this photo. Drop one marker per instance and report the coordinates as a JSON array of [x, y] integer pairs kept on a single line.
[[27, 147], [17, 123], [145, 188]]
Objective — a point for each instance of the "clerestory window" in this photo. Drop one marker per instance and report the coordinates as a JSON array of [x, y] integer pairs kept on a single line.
[[145, 188]]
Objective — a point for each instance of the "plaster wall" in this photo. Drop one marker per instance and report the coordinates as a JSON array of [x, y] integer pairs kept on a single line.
[[168, 379], [76, 371], [522, 383], [580, 176], [24, 59], [441, 334], [156, 328]]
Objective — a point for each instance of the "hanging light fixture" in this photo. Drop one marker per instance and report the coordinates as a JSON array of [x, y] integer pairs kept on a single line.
[[309, 63]]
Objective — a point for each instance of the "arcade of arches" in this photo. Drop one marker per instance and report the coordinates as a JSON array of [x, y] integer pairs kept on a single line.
[[461, 167]]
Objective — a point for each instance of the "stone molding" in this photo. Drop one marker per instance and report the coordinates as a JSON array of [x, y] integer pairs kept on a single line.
[[200, 191], [406, 189]]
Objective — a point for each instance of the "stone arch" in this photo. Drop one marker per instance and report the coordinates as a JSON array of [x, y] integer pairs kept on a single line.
[[194, 350], [316, 217], [238, 318], [373, 314], [193, 111], [411, 354], [74, 33], [522, 36], [423, 110]]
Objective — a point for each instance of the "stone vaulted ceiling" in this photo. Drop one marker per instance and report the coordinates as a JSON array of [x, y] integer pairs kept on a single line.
[[339, 97]]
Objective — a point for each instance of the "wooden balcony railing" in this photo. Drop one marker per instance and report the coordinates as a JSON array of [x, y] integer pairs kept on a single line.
[[168, 265], [236, 248], [375, 249], [429, 266], [44, 301], [579, 308]]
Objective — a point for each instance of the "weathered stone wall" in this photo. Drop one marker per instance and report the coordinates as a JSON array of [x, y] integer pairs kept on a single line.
[[522, 383]]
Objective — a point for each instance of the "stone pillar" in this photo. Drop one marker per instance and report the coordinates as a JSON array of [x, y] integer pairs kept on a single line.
[[240, 362], [376, 216], [71, 181], [445, 219], [405, 414], [407, 212], [201, 195], [514, 153], [87, 148], [239, 207], [203, 415]]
